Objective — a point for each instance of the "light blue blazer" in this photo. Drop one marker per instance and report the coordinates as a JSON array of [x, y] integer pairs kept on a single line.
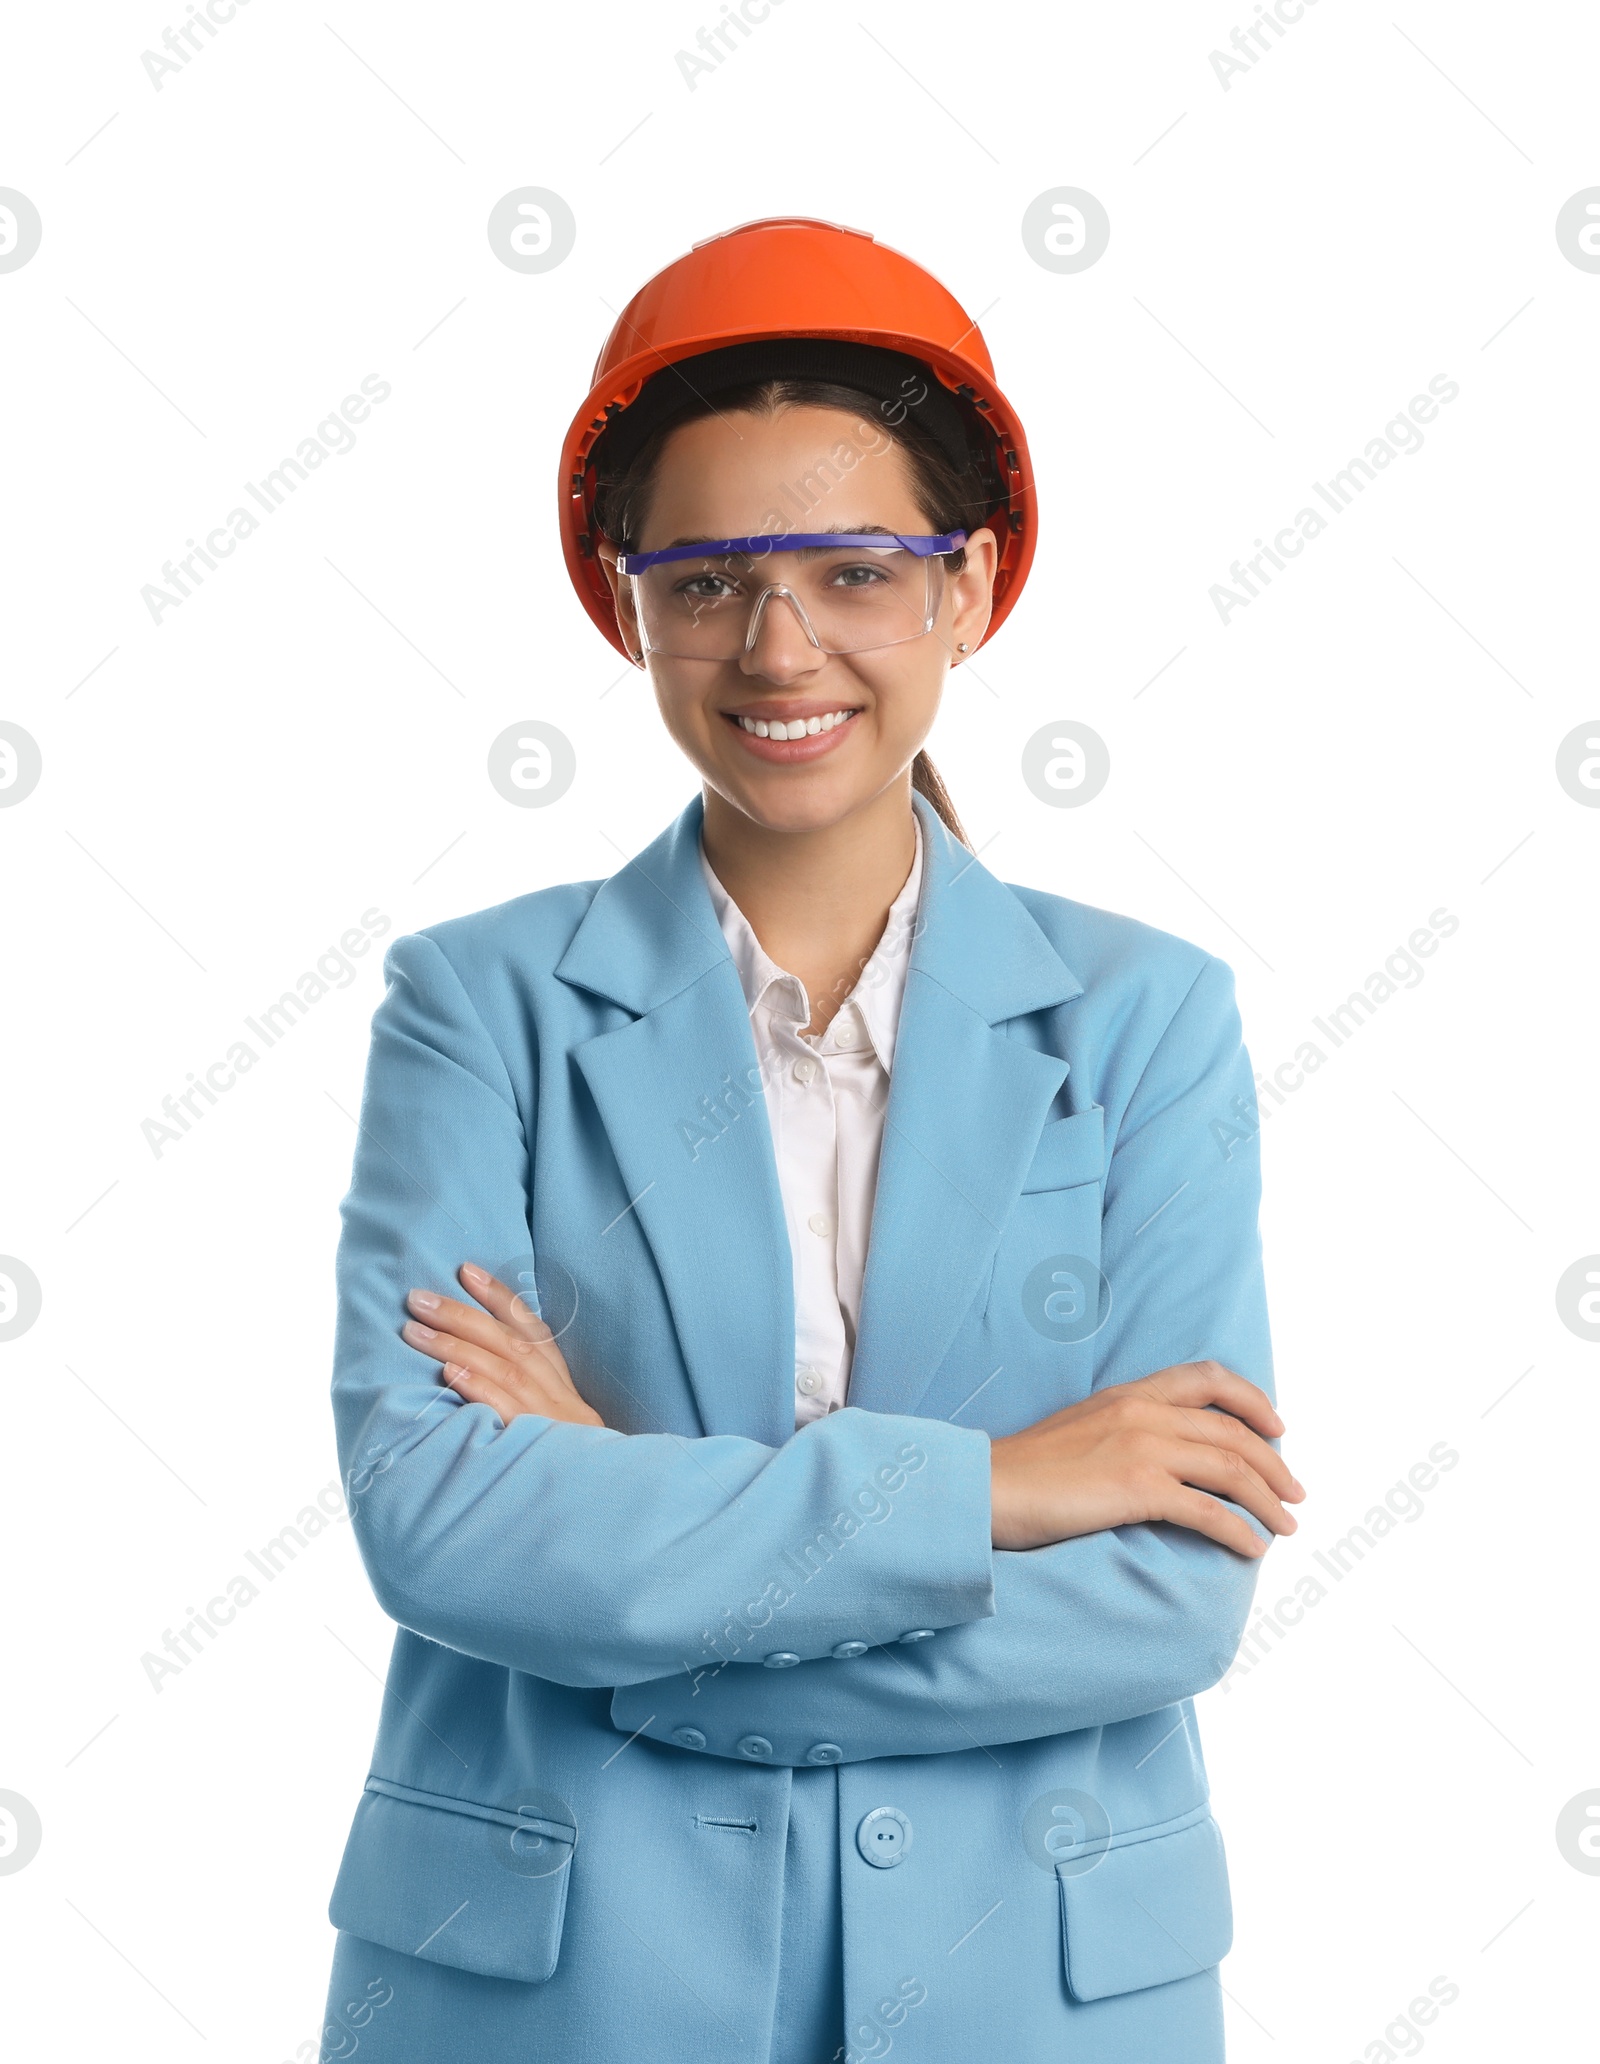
[[617, 1643]]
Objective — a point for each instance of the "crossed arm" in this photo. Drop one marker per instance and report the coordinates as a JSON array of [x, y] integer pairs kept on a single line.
[[1135, 1453], [1125, 1529]]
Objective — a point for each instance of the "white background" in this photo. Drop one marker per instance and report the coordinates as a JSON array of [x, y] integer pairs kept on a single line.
[[1374, 737]]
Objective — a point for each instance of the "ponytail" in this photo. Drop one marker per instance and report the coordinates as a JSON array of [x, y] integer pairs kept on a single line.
[[925, 780]]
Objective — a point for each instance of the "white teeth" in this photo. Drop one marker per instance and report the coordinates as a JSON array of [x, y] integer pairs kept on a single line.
[[802, 727]]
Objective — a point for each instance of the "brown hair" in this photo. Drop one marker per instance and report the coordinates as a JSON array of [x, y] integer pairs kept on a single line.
[[950, 497]]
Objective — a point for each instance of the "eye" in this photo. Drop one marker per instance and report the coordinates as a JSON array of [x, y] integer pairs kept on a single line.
[[857, 576], [708, 587]]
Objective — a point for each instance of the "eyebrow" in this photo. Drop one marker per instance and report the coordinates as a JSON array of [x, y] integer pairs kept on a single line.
[[827, 530]]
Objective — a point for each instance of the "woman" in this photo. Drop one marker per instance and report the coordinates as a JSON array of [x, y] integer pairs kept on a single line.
[[798, 1632]]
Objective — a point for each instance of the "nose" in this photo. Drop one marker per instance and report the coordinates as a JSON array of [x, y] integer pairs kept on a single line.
[[779, 646]]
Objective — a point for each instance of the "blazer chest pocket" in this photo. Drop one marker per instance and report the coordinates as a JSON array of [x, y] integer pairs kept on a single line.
[[481, 1888], [1145, 1912], [1045, 1285], [1070, 1151]]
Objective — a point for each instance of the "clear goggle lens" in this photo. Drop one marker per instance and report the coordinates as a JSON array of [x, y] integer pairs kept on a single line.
[[847, 599]]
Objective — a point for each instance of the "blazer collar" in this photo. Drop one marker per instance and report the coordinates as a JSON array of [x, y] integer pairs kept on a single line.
[[651, 930], [676, 1089]]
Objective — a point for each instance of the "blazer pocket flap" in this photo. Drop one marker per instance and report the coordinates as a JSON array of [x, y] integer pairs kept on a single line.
[[482, 1888], [1070, 1151], [1146, 1913]]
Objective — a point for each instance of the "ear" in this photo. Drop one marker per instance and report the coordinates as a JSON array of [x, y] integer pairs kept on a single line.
[[622, 601], [972, 592]]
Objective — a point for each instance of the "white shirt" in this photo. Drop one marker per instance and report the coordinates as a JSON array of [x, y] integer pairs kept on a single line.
[[825, 1103]]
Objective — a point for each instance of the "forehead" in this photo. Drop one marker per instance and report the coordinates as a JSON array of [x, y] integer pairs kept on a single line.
[[739, 474]]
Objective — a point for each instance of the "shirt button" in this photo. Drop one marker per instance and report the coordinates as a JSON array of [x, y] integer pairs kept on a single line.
[[780, 1659], [821, 1224], [755, 1745], [884, 1837], [844, 1034], [824, 1752], [808, 1382], [846, 1649], [689, 1737], [805, 1070], [919, 1634]]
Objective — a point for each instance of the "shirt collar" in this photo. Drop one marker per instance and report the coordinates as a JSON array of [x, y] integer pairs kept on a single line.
[[880, 987]]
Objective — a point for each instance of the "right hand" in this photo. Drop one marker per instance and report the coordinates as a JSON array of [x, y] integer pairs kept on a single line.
[[503, 1356], [1151, 1450]]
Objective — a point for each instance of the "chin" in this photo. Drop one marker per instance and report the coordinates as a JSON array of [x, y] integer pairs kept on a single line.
[[792, 803]]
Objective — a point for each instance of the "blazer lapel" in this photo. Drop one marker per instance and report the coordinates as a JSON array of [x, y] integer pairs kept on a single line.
[[966, 1107], [679, 1093]]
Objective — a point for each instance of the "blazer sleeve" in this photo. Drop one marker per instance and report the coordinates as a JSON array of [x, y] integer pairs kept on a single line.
[[578, 1553], [1110, 1625]]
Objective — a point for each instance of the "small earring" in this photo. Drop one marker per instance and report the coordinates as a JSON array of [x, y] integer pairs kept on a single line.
[[961, 648]]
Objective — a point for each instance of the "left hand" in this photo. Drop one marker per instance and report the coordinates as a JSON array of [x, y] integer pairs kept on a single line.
[[503, 1356]]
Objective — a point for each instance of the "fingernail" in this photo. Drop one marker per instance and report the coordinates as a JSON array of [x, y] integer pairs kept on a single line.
[[415, 1330], [424, 1300], [1299, 1486], [473, 1273], [454, 1371]]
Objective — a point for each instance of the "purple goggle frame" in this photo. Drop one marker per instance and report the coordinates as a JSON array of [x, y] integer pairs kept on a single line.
[[799, 541]]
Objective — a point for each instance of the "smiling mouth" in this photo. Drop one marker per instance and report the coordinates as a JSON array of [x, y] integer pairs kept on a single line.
[[796, 727]]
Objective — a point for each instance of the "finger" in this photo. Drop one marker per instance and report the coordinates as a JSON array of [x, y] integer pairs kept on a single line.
[[514, 1308], [511, 1377], [1222, 1430], [482, 1390], [517, 1340], [529, 1334], [512, 1328], [526, 1378], [521, 1357], [445, 1346], [1209, 1383], [525, 1401], [1203, 1515], [463, 1322], [1228, 1475]]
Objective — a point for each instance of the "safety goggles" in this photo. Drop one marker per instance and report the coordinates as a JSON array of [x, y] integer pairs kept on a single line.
[[851, 591]]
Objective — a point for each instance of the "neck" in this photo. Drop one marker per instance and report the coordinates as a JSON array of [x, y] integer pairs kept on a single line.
[[817, 900]]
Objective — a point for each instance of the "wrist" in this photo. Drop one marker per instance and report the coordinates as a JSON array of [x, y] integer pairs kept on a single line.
[[1002, 1497]]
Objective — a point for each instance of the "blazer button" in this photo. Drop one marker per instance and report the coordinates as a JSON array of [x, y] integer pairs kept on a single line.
[[755, 1745], [846, 1649], [919, 1634], [780, 1659], [884, 1837], [824, 1752], [689, 1737]]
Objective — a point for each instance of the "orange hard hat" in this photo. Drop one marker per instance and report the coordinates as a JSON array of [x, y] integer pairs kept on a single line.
[[793, 278]]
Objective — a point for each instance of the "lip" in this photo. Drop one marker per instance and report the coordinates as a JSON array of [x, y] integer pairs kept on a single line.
[[788, 752]]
